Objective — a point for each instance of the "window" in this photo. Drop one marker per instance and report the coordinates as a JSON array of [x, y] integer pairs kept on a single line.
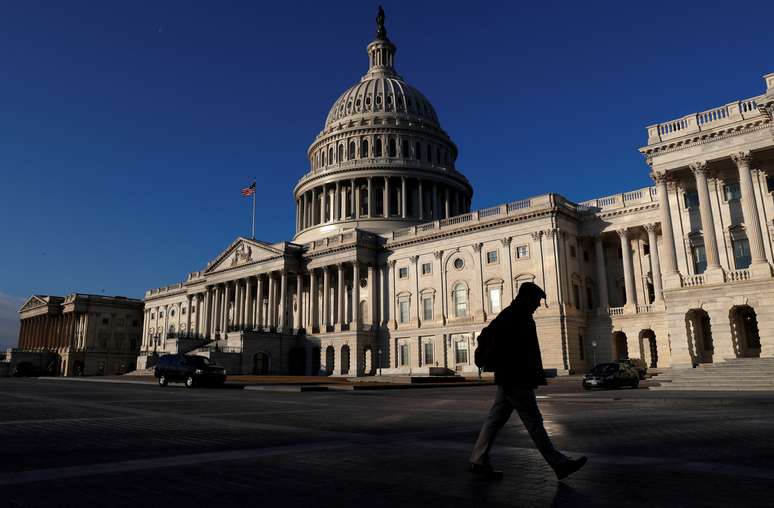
[[742, 258], [732, 192], [193, 310], [404, 149], [645, 249], [461, 352], [589, 297], [460, 300], [427, 308], [172, 313], [418, 150], [576, 295], [161, 314], [429, 151], [153, 316], [403, 311], [586, 256], [182, 311], [437, 155], [491, 257], [581, 347], [495, 299], [699, 259], [403, 273], [572, 251], [427, 268], [459, 263], [691, 199], [427, 352], [403, 354], [522, 251], [378, 147], [364, 149], [351, 154], [391, 147], [340, 153], [770, 183]]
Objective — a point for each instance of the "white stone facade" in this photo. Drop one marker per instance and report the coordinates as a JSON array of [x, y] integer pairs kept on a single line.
[[390, 270]]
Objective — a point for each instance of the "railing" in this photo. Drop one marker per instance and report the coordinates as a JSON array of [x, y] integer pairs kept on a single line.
[[519, 205], [458, 219], [639, 196], [615, 311], [644, 309], [704, 120], [692, 280], [740, 274], [488, 212]]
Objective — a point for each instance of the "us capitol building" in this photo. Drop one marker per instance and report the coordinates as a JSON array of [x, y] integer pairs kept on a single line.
[[390, 270]]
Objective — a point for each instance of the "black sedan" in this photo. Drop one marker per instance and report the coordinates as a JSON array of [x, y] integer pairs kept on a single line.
[[611, 375], [192, 370]]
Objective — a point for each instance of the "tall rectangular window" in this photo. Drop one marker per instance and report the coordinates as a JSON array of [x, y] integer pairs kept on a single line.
[[495, 299], [403, 311], [403, 273], [403, 354], [732, 192], [522, 251], [699, 259], [491, 257], [427, 351], [427, 308], [691, 199], [589, 298], [742, 258], [576, 295], [461, 352], [427, 268]]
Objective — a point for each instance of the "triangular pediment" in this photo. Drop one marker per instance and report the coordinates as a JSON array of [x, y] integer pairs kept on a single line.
[[33, 302], [242, 251]]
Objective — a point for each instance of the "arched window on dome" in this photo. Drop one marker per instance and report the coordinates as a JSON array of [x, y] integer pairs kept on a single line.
[[317, 159], [404, 149], [391, 149], [437, 155], [428, 156], [418, 151], [330, 155], [364, 149], [378, 147], [351, 154], [323, 157], [340, 153]]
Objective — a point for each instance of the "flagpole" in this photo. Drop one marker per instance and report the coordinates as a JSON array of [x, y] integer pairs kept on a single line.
[[254, 209]]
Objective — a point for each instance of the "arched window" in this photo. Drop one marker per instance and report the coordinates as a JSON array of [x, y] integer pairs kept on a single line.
[[378, 147], [340, 153], [323, 158], [364, 149], [351, 150], [429, 152], [404, 149], [330, 155], [418, 151], [391, 149], [437, 155], [460, 300]]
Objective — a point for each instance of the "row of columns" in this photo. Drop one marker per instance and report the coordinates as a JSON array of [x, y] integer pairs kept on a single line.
[[354, 199], [380, 146], [51, 331], [714, 273]]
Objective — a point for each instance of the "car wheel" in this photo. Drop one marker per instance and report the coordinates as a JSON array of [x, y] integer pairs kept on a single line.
[[189, 381], [163, 380]]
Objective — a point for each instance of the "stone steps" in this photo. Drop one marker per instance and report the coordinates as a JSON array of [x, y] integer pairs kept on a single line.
[[736, 374]]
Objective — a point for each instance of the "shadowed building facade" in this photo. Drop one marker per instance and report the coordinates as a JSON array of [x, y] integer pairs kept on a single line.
[[390, 269]]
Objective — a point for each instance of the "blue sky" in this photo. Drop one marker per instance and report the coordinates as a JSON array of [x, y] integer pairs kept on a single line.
[[128, 128]]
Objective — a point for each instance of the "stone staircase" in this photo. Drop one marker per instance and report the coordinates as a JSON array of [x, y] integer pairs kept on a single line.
[[736, 374]]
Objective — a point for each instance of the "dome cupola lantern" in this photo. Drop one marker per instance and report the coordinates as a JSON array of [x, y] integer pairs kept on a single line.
[[382, 161]]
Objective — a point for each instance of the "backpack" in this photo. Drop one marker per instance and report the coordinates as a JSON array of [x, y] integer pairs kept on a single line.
[[486, 354]]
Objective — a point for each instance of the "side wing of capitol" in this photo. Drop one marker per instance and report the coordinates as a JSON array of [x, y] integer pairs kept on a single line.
[[389, 268]]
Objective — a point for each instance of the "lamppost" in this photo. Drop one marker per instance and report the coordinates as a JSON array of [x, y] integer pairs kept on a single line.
[[594, 348], [379, 360]]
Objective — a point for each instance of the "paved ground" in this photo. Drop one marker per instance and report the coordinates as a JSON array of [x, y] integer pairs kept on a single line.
[[99, 444]]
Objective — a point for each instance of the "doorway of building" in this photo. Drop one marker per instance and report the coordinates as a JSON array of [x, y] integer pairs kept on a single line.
[[699, 330], [744, 332]]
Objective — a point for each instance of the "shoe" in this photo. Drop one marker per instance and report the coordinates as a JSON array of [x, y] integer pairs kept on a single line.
[[567, 468], [485, 472]]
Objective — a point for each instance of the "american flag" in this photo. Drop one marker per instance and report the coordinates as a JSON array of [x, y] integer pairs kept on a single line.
[[249, 191]]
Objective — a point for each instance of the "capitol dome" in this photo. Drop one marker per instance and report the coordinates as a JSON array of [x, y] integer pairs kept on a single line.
[[382, 161]]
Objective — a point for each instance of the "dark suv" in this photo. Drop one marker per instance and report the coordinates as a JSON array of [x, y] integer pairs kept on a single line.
[[192, 370]]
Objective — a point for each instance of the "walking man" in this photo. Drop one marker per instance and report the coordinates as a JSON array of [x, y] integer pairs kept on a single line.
[[518, 372]]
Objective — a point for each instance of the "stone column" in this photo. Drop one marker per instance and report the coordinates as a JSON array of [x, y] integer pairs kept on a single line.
[[403, 197], [441, 299], [229, 293], [259, 317], [372, 296], [370, 197], [655, 262], [207, 311], [391, 289], [384, 283], [312, 300], [249, 302], [759, 267], [336, 202], [480, 276], [323, 205], [166, 323], [435, 202], [599, 254], [355, 296], [713, 274], [446, 204], [421, 199], [270, 307], [303, 211], [626, 251], [237, 320], [283, 324], [340, 297], [189, 307], [386, 197], [354, 200], [299, 294], [671, 275], [326, 299], [508, 289]]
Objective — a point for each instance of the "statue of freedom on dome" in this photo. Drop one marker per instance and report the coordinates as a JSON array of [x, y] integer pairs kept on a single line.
[[381, 32]]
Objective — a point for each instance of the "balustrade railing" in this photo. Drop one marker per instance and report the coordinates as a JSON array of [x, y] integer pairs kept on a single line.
[[740, 274], [644, 309], [692, 280], [615, 311]]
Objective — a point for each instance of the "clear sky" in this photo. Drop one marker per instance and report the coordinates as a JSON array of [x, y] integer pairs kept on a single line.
[[128, 128]]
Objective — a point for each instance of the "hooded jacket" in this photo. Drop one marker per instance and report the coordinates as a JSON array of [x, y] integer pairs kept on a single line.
[[518, 364]]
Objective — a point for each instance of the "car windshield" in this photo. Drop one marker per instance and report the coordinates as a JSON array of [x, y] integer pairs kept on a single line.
[[198, 361], [604, 369]]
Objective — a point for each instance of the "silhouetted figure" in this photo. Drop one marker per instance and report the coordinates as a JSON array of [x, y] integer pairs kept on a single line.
[[518, 372]]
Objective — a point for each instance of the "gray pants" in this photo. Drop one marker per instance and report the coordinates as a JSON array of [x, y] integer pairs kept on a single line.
[[524, 402]]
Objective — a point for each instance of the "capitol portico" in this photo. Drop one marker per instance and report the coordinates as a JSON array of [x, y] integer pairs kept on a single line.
[[390, 269]]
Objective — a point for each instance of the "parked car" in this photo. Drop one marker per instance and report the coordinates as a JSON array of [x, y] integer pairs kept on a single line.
[[637, 364], [611, 375], [26, 369], [192, 370]]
